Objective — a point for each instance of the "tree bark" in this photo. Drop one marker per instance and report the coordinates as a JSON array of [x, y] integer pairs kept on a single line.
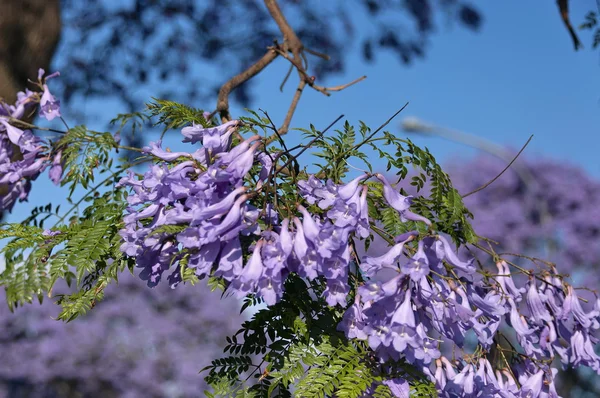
[[29, 34]]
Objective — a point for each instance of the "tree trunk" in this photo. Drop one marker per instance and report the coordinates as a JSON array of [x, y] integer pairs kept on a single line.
[[29, 33]]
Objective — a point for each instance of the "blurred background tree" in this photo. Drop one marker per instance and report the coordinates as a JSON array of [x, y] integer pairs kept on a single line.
[[139, 342]]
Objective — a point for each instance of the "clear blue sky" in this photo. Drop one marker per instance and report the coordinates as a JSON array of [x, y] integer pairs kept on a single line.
[[518, 76]]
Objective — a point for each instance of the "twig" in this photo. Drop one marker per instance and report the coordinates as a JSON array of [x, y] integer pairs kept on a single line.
[[317, 54], [292, 158], [269, 140], [502, 172], [287, 76], [321, 174], [379, 128], [290, 113], [340, 87], [311, 80], [16, 122], [291, 44], [234, 82]]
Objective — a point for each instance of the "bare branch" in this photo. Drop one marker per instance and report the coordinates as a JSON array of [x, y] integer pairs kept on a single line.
[[317, 54], [227, 88], [291, 44], [287, 76], [289, 36], [502, 172], [340, 87], [288, 117]]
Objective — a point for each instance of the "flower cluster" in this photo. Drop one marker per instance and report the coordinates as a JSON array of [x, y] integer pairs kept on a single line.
[[432, 296], [23, 156], [204, 191], [426, 303]]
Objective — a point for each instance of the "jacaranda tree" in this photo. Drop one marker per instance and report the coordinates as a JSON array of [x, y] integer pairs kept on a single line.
[[138, 342], [240, 211]]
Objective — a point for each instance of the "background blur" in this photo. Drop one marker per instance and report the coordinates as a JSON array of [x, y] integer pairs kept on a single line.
[[499, 71]]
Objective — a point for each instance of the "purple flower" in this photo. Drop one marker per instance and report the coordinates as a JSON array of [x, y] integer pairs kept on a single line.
[[155, 149], [536, 304], [352, 323], [336, 292], [347, 191], [507, 283], [371, 265], [418, 266], [393, 197], [56, 170], [202, 261], [196, 133], [405, 315], [49, 105], [399, 387], [517, 321], [452, 258], [532, 387], [572, 307]]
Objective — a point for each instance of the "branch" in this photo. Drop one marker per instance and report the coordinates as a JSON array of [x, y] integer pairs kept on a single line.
[[310, 80], [234, 82], [289, 36], [288, 117], [291, 44], [340, 87], [502, 172], [563, 7], [363, 142]]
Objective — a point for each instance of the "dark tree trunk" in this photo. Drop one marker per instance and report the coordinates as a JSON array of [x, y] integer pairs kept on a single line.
[[29, 33]]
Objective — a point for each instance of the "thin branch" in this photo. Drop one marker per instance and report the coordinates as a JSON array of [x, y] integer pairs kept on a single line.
[[291, 44], [317, 54], [295, 157], [290, 113], [269, 140], [502, 172], [340, 87], [234, 82], [287, 76], [310, 80], [379, 128], [20, 123]]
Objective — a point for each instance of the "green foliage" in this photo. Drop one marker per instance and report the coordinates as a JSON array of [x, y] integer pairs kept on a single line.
[[136, 119], [302, 352], [444, 205], [591, 20], [337, 150], [174, 115], [84, 151], [86, 251], [40, 214], [341, 370]]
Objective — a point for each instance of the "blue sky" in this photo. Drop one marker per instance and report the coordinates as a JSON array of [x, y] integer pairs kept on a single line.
[[518, 76]]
